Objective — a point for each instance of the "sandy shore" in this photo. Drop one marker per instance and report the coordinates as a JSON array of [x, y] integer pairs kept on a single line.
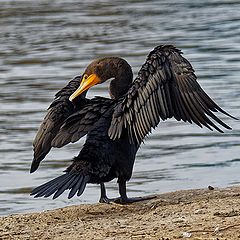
[[190, 214]]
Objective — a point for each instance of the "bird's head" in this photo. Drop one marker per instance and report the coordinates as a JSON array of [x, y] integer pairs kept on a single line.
[[102, 70]]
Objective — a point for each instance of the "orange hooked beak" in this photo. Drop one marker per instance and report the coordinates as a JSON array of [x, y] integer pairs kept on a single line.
[[87, 82]]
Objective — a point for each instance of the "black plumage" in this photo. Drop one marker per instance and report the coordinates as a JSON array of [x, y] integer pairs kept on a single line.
[[165, 87]]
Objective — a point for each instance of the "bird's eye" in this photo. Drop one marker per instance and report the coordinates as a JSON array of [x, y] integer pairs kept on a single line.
[[85, 76]]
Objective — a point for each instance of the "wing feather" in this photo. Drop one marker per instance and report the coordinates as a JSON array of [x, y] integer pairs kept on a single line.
[[165, 87], [81, 122], [60, 109]]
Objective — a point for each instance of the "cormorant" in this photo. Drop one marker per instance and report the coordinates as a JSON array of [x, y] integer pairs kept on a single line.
[[165, 87]]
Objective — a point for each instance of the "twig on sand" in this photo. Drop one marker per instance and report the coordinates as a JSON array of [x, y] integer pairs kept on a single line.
[[215, 230]]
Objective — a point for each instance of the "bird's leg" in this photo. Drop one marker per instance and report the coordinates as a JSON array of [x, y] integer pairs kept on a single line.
[[123, 199], [103, 197]]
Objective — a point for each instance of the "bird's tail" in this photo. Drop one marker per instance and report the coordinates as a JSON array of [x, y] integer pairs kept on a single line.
[[75, 182]]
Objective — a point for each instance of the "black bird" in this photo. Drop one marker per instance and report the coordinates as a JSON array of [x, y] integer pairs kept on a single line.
[[165, 87]]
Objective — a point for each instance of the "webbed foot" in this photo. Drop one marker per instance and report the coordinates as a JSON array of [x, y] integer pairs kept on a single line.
[[127, 200], [105, 199]]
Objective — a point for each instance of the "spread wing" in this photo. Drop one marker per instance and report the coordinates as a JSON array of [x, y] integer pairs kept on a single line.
[[60, 109], [165, 87], [80, 123]]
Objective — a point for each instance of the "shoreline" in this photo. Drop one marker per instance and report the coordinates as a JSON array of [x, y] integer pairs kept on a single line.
[[185, 214]]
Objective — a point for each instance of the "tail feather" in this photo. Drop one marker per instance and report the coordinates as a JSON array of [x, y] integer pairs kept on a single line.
[[72, 181], [42, 188], [76, 187], [64, 186], [81, 188], [52, 189]]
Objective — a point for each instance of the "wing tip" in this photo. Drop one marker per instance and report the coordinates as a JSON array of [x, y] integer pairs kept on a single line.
[[34, 166], [229, 115], [233, 117]]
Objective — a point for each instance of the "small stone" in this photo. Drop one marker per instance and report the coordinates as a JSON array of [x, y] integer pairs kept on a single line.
[[199, 211], [187, 235], [210, 188]]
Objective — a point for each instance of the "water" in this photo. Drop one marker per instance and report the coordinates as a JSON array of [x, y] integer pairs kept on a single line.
[[43, 44]]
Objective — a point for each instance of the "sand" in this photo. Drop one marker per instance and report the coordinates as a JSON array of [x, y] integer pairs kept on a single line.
[[190, 214]]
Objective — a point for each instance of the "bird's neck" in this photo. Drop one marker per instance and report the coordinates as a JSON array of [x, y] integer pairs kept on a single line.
[[123, 77]]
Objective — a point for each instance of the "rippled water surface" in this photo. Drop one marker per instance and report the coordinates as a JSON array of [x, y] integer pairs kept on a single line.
[[43, 44]]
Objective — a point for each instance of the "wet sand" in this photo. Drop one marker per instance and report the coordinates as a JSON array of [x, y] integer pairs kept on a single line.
[[189, 214]]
